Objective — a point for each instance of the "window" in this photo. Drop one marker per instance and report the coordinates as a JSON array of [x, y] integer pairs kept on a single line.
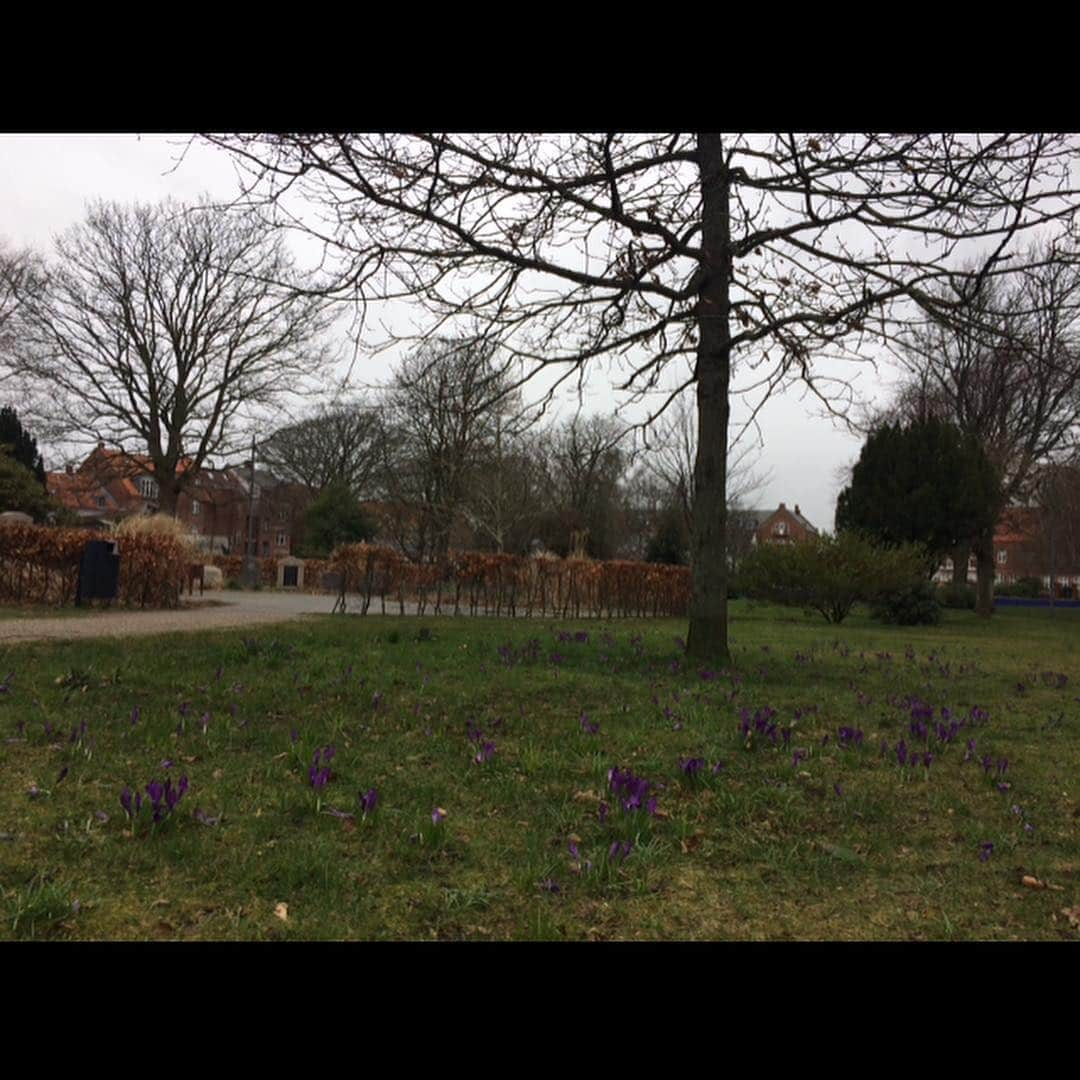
[[780, 528], [283, 514], [101, 502], [282, 540], [1003, 556], [148, 488], [195, 508]]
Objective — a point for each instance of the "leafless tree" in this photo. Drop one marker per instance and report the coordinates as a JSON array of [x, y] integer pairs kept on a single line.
[[338, 443], [444, 411], [1007, 373], [507, 488], [158, 324], [672, 453], [723, 256]]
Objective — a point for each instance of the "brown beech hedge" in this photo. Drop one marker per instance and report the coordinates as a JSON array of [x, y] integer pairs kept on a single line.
[[40, 565]]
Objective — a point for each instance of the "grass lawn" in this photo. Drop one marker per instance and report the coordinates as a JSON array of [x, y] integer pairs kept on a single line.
[[803, 826]]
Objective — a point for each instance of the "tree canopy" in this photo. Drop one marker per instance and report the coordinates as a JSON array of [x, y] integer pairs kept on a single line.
[[731, 262], [20, 444], [923, 482], [158, 325], [333, 518]]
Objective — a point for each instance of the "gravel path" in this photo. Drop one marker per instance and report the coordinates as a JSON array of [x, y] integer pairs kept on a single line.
[[233, 609]]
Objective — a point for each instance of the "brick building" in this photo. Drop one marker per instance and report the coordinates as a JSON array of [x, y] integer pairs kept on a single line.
[[781, 526], [111, 485]]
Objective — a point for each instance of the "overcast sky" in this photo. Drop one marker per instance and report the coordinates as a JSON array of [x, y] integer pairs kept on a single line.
[[47, 180]]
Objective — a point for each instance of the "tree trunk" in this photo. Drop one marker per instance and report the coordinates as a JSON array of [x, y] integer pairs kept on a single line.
[[984, 568], [168, 497], [708, 636], [960, 555]]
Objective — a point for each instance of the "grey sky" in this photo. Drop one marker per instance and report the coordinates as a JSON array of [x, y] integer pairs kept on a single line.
[[47, 180]]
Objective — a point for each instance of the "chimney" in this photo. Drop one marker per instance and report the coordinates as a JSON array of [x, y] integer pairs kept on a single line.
[[783, 507], [69, 469], [797, 511]]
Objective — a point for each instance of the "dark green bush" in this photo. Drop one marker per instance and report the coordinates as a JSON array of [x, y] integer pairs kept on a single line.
[[961, 597], [830, 574], [913, 605]]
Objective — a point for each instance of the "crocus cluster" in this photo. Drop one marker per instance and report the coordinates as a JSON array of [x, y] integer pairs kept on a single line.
[[319, 773], [619, 851], [762, 722], [162, 799], [848, 737], [1056, 679], [631, 790]]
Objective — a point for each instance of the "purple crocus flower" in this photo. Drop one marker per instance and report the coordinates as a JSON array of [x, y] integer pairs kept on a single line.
[[718, 768], [799, 755], [927, 759], [839, 791], [205, 818], [34, 791], [101, 816], [1002, 766], [63, 773], [368, 801], [691, 766], [901, 752], [588, 725], [987, 763], [602, 812], [574, 853], [485, 754], [136, 713], [548, 885], [438, 815], [986, 849]]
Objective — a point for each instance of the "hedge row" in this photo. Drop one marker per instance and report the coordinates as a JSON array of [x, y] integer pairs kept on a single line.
[[40, 565], [512, 584]]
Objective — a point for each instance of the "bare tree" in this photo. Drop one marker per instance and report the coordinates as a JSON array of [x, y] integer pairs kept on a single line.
[[1008, 373], [338, 443], [673, 451], [158, 324], [506, 488], [724, 255], [443, 412], [20, 275]]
